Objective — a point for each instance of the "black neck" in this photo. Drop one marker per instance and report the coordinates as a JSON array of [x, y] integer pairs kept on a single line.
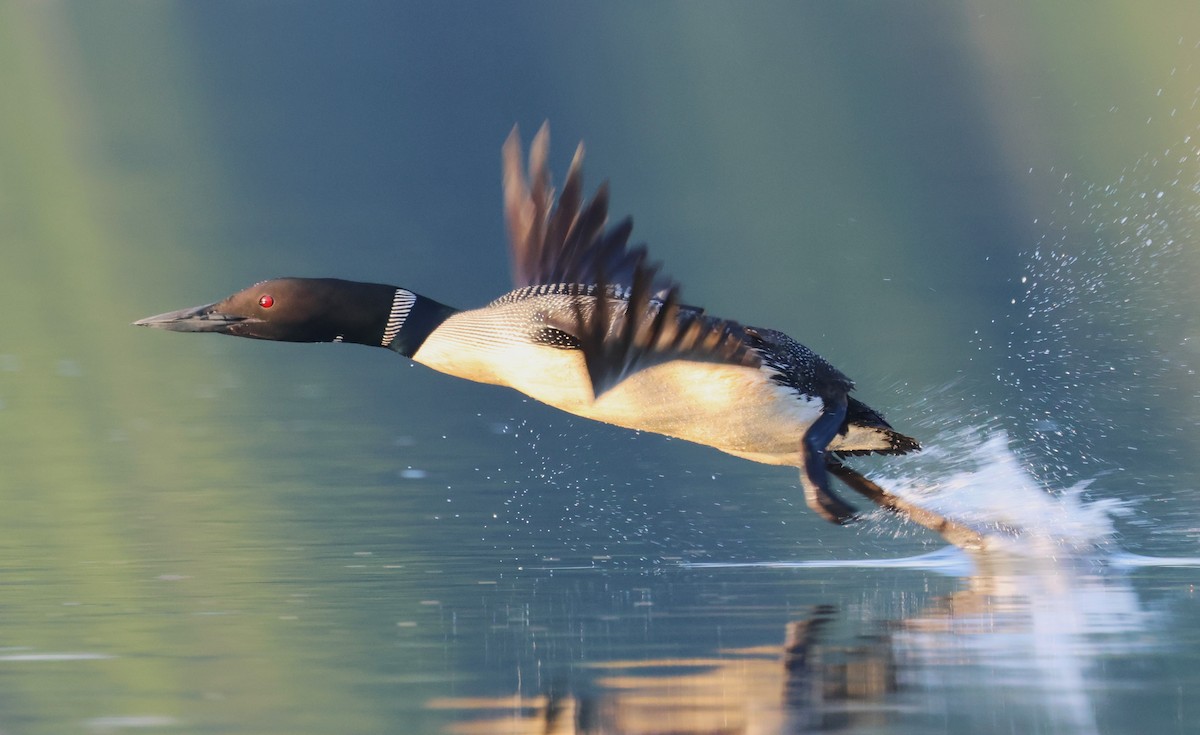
[[372, 314]]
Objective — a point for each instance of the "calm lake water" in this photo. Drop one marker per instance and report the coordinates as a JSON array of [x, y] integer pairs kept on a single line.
[[985, 215]]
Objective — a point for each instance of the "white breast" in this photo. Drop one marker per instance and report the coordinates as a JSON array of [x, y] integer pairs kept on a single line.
[[736, 409]]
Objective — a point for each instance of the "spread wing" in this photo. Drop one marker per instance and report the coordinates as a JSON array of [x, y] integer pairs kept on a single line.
[[570, 242], [623, 313]]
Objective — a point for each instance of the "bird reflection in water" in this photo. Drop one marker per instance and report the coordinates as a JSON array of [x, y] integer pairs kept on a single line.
[[1020, 644], [807, 684]]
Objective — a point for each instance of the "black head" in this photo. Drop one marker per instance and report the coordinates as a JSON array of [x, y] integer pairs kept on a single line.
[[295, 310]]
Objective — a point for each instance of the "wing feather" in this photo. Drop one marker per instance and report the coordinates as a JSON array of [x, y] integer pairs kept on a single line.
[[568, 241], [623, 313]]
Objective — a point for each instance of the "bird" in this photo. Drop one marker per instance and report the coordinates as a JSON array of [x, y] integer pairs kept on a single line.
[[594, 328]]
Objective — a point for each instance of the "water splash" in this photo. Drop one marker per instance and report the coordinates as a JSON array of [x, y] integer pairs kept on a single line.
[[1100, 355], [974, 477], [1097, 368]]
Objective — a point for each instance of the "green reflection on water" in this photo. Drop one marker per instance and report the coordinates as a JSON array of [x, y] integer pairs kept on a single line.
[[132, 529]]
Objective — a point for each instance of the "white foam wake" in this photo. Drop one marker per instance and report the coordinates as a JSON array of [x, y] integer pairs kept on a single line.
[[977, 480]]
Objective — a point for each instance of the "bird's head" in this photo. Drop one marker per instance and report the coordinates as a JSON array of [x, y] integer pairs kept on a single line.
[[293, 310]]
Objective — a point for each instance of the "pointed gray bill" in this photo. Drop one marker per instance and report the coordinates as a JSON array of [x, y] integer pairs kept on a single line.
[[195, 319]]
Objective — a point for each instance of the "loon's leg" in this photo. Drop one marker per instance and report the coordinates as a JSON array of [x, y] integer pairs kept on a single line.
[[956, 533], [813, 475]]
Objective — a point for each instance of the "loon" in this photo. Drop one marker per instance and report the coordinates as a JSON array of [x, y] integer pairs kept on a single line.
[[595, 329]]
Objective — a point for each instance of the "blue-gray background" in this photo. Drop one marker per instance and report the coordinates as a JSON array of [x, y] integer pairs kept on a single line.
[[982, 212]]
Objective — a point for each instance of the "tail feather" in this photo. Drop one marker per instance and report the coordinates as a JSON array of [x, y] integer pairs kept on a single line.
[[865, 431]]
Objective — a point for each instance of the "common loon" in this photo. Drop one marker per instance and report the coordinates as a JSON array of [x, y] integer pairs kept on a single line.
[[593, 328]]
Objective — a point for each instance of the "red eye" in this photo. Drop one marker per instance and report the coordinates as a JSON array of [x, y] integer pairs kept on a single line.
[[265, 301]]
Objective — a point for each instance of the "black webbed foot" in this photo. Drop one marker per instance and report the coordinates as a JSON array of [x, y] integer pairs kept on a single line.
[[814, 477]]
